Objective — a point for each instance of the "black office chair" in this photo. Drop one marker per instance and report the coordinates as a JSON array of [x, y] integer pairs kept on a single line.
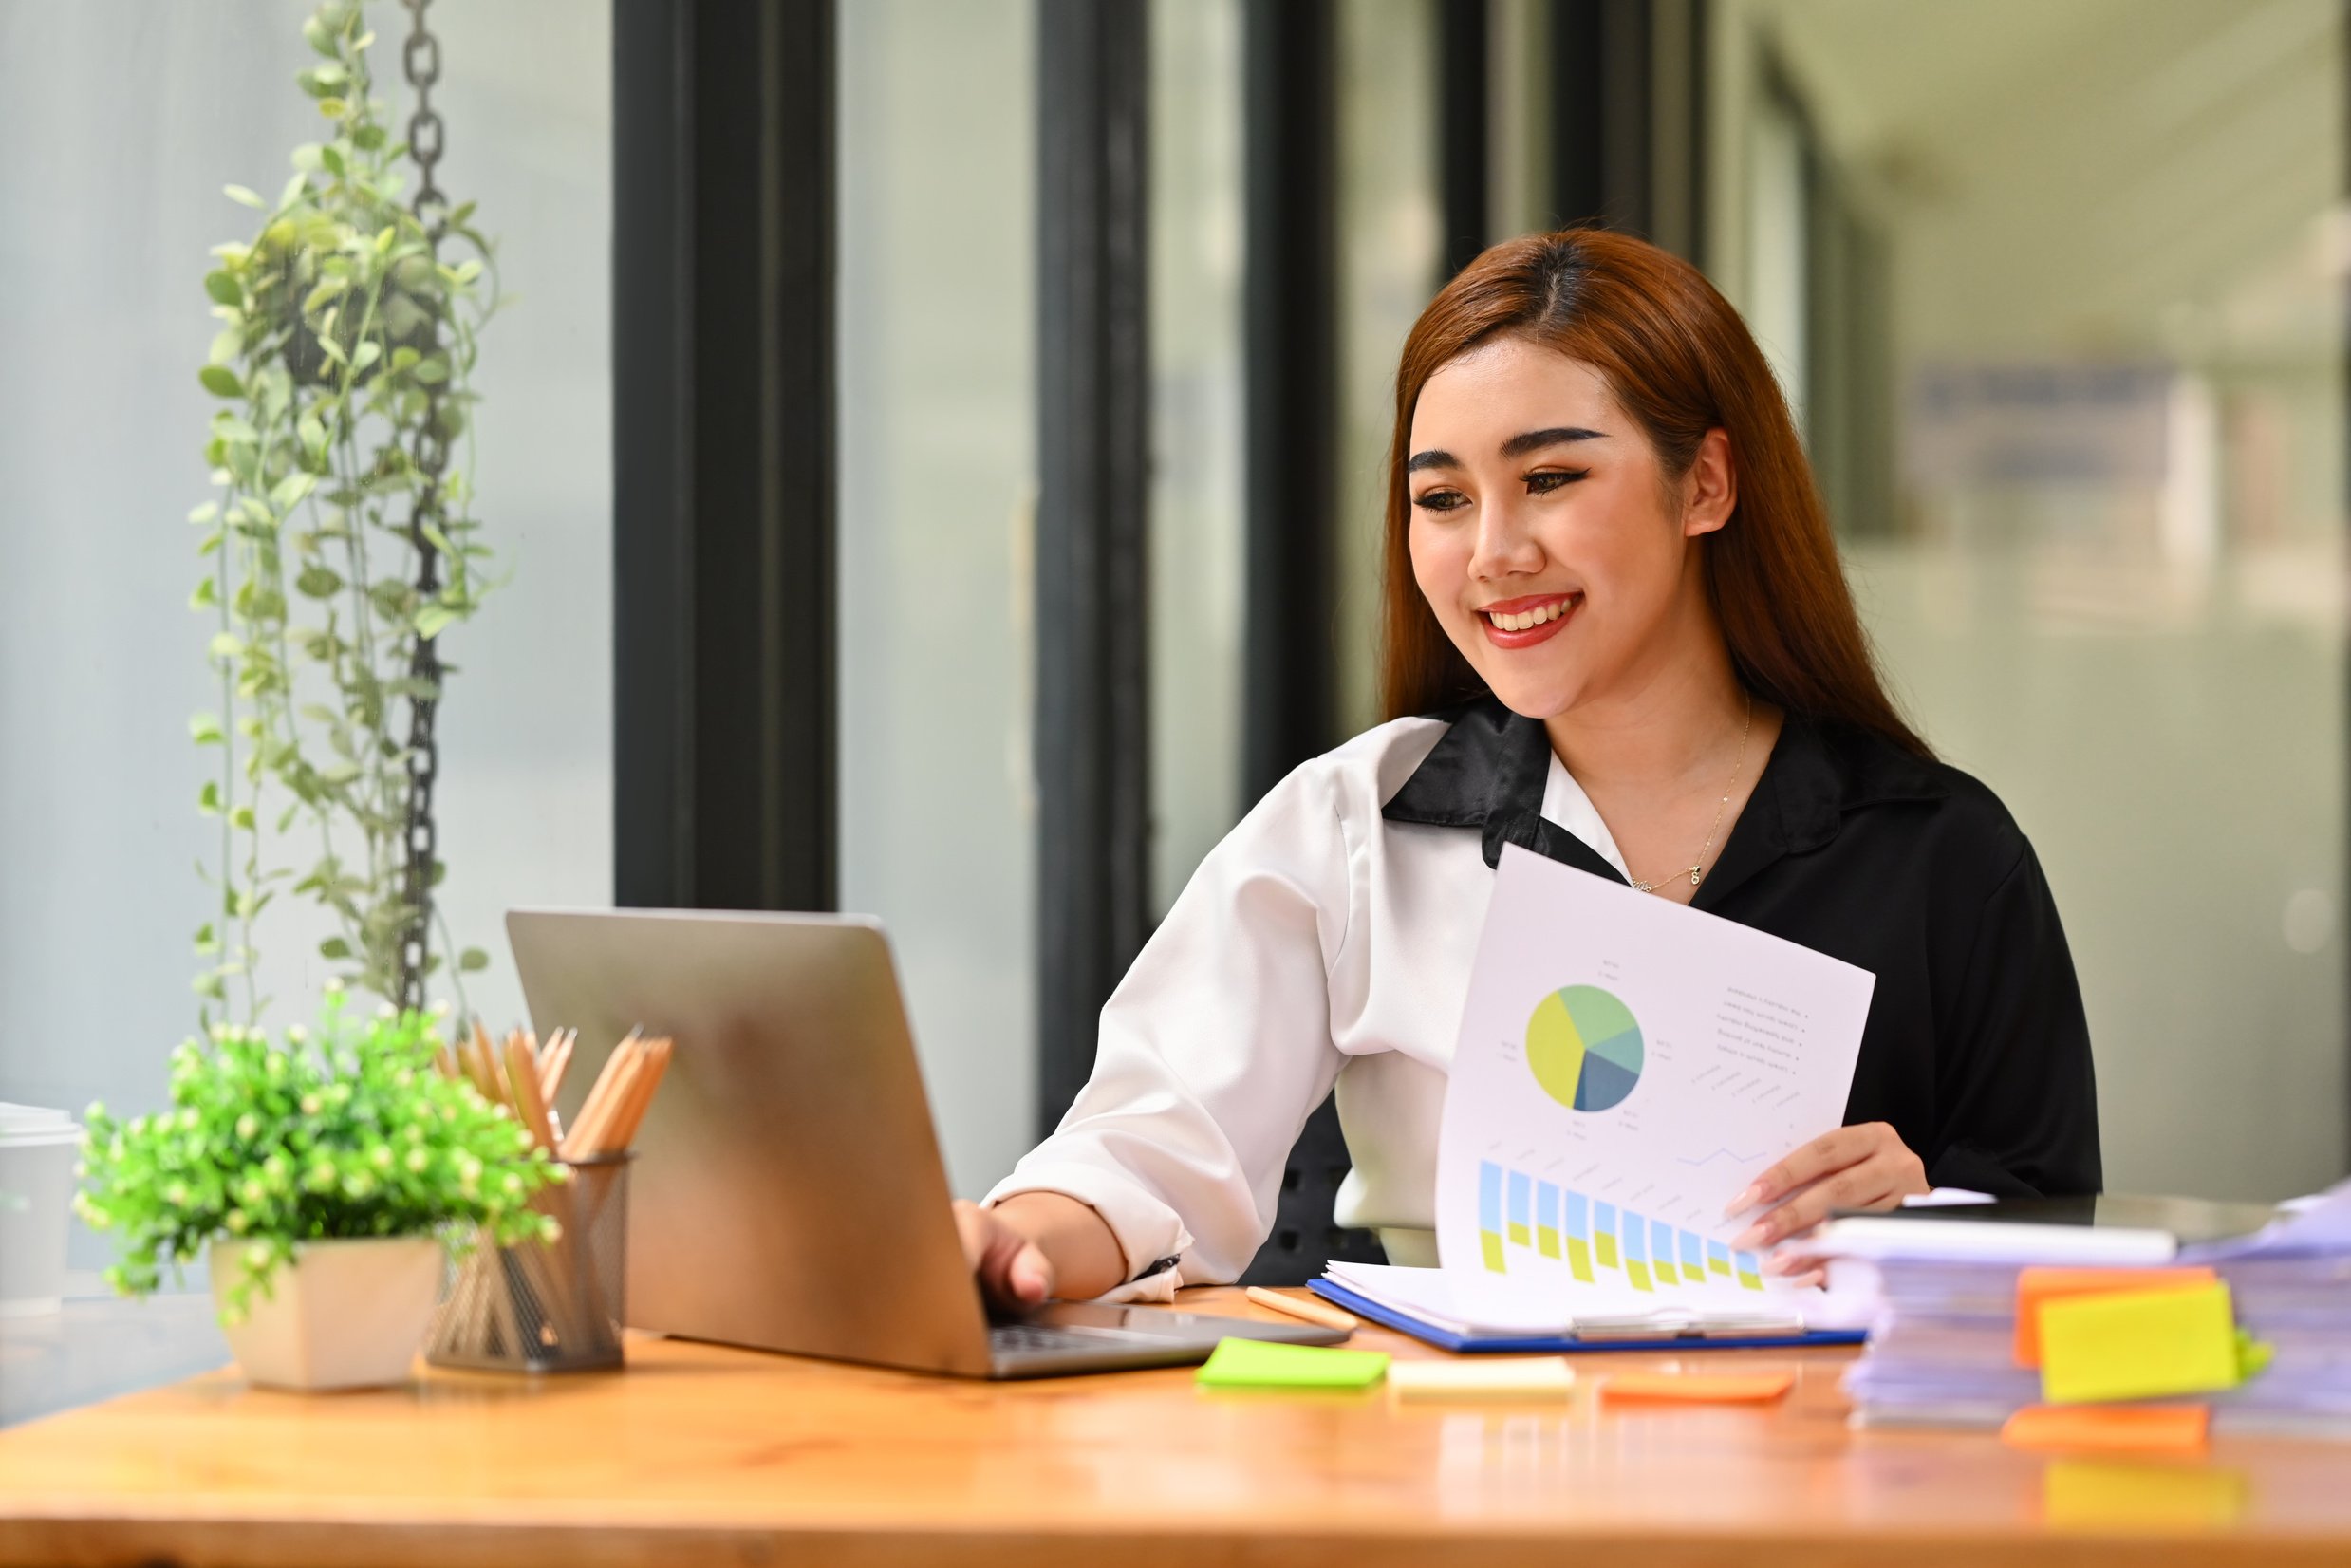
[[1304, 1236]]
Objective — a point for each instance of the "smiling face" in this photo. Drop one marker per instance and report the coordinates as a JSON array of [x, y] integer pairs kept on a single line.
[[1555, 551]]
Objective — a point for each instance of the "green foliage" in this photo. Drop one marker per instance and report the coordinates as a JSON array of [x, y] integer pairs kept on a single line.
[[352, 1134], [346, 350]]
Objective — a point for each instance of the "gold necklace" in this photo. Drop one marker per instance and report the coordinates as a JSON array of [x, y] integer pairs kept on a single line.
[[1694, 869]]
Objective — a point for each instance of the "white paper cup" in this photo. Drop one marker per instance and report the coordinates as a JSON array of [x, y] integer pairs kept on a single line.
[[38, 1150]]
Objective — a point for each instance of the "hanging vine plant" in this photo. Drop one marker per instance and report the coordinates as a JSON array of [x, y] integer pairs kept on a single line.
[[341, 543]]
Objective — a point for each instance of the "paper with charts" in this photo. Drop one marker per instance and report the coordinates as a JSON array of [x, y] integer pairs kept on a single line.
[[1626, 1066]]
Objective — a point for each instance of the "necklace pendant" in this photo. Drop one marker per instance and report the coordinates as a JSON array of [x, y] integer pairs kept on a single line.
[[1640, 886], [1693, 876]]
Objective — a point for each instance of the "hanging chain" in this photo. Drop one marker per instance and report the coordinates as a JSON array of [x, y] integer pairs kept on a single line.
[[420, 60]]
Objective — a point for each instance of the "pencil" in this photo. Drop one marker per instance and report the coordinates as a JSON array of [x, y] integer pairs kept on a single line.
[[1305, 1307]]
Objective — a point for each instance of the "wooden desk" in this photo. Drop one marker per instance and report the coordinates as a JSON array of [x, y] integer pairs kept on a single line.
[[701, 1455]]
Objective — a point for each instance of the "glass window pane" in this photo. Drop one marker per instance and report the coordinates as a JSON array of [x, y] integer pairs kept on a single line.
[[1196, 519], [1388, 252], [937, 456]]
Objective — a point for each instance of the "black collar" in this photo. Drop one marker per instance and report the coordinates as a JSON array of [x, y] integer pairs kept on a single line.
[[1489, 768]]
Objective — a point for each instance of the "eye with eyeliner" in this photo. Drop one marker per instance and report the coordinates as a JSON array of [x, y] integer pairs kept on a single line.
[[1544, 481], [1440, 500]]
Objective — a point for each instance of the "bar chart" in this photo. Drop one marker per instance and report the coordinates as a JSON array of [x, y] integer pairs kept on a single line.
[[1597, 1242]]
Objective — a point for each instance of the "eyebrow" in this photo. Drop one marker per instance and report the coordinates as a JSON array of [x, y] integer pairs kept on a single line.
[[1517, 446]]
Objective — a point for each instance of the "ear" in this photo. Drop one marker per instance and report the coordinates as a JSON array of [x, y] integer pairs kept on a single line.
[[1711, 489]]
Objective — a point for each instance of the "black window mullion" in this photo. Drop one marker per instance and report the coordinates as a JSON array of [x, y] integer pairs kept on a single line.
[[724, 592], [1291, 359], [1092, 732], [1464, 109]]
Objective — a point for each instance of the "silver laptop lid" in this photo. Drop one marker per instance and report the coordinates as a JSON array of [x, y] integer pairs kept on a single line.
[[788, 1192]]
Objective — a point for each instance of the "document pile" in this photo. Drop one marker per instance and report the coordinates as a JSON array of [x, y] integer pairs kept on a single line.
[[2118, 1301]]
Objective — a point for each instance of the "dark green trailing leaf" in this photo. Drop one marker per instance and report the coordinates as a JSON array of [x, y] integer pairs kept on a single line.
[[392, 599], [208, 798], [334, 947], [224, 288], [473, 961], [220, 382], [319, 582]]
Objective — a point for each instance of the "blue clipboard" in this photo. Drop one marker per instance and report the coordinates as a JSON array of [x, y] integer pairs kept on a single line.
[[1545, 1344]]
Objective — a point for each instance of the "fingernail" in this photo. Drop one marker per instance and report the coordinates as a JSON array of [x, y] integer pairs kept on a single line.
[[1753, 1195], [1751, 1238], [1775, 1265]]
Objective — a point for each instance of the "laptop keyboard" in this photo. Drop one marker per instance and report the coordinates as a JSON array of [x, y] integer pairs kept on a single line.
[[1060, 1337]]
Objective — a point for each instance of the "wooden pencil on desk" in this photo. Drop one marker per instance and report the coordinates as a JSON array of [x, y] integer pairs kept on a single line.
[[1305, 1308]]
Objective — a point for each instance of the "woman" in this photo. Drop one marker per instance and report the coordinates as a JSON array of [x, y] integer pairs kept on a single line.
[[1616, 632]]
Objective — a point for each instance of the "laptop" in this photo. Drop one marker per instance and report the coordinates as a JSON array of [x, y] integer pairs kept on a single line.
[[786, 1193]]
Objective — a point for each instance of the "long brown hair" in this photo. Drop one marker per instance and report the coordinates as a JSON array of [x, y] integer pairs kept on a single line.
[[1680, 362]]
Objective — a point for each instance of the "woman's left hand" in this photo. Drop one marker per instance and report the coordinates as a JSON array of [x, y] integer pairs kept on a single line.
[[1864, 1167]]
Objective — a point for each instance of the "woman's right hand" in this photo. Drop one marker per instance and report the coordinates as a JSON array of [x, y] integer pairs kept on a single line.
[[1013, 1271], [1036, 1245]]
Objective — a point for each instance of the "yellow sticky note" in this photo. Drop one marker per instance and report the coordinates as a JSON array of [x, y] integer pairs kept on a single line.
[[1472, 1377], [2138, 1345]]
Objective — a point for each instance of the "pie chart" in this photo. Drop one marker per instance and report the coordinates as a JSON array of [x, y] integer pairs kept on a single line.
[[1584, 1047]]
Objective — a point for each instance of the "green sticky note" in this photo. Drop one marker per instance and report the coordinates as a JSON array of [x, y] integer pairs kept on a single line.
[[2141, 1344], [1261, 1364]]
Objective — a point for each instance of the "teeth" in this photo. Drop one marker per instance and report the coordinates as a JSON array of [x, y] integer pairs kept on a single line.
[[1531, 619]]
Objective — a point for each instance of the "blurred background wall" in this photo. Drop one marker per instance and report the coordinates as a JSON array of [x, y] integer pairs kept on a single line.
[[2059, 291]]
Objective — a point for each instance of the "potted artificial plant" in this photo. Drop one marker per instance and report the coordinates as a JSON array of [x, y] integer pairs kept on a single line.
[[318, 1179], [340, 544]]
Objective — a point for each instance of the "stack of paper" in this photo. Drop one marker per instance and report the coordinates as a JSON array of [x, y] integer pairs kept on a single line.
[[1946, 1346]]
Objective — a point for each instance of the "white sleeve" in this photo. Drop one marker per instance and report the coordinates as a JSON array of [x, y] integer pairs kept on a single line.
[[1215, 1047]]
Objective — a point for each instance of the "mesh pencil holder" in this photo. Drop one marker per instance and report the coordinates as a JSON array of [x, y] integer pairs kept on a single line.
[[546, 1306]]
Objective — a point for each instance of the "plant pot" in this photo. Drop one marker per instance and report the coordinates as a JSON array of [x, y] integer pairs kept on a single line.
[[343, 1315]]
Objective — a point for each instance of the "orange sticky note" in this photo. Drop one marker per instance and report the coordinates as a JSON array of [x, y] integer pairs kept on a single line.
[[2133, 1429], [1699, 1388], [2036, 1286]]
